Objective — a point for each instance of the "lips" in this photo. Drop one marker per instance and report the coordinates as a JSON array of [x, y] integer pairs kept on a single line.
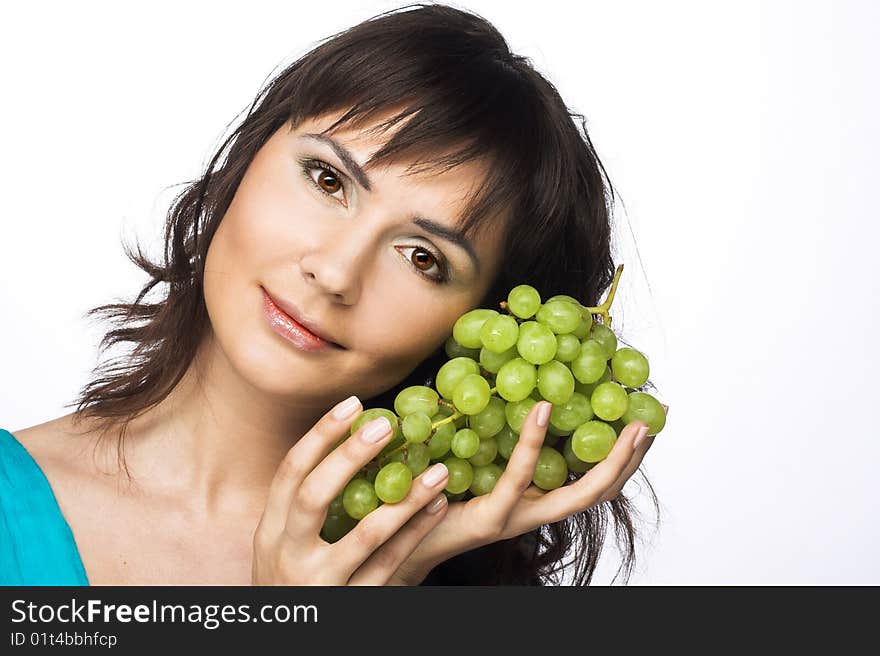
[[288, 320]]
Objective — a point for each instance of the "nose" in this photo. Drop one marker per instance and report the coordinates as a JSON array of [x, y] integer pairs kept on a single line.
[[334, 265]]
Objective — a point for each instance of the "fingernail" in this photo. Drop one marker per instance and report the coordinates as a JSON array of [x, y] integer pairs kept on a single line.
[[376, 429], [544, 413], [435, 474], [436, 505], [346, 408], [643, 431]]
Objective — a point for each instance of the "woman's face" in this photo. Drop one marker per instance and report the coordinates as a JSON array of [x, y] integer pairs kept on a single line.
[[347, 257]]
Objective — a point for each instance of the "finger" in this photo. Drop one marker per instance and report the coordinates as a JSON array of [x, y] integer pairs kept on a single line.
[[520, 467], [634, 463], [379, 528], [302, 457], [638, 455], [387, 560], [583, 493], [308, 507]]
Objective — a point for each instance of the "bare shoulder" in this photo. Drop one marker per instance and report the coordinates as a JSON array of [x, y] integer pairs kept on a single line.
[[60, 445]]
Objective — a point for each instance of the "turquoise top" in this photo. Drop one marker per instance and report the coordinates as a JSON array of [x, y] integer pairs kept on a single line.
[[36, 543]]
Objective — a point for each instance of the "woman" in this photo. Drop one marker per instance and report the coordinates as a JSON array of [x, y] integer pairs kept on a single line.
[[403, 172]]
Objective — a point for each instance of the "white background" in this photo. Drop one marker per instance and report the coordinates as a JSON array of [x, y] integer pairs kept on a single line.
[[741, 136]]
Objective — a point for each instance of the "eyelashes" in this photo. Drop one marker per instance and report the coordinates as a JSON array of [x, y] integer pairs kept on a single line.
[[310, 164]]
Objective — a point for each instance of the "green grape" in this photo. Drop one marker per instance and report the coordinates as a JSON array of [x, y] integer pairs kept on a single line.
[[441, 440], [506, 441], [465, 443], [490, 420], [461, 422], [523, 301], [550, 439], [574, 463], [485, 478], [492, 362], [555, 381], [587, 389], [417, 458], [603, 334], [393, 482], [593, 441], [536, 394], [472, 394], [516, 379], [461, 475], [416, 427], [455, 350], [374, 413], [630, 367], [486, 452], [416, 398], [644, 407], [565, 297], [452, 372], [561, 317], [567, 347], [337, 527], [359, 498], [536, 342], [517, 411], [466, 329], [590, 362], [572, 413], [454, 497], [499, 333], [583, 329], [551, 470], [336, 507], [554, 430], [609, 401]]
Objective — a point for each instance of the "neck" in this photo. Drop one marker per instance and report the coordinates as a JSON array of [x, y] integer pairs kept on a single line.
[[216, 441]]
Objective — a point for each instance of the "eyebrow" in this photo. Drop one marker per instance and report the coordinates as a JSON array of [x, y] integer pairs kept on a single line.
[[449, 234]]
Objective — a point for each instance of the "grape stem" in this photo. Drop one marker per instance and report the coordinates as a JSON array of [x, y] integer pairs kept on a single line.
[[455, 415], [384, 459], [602, 310]]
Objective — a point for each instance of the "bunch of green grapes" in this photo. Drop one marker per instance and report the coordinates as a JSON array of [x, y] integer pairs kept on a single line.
[[501, 364]]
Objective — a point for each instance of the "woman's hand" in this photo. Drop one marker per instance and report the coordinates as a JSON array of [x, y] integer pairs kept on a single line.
[[288, 548], [515, 506]]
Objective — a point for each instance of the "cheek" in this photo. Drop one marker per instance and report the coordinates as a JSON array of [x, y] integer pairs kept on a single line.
[[403, 328]]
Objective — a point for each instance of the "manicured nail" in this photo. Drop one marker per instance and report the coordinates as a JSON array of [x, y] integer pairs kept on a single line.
[[544, 413], [346, 408], [435, 474], [376, 429], [436, 505], [643, 431]]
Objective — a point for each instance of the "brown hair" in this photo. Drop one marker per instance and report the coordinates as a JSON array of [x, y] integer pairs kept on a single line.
[[459, 86]]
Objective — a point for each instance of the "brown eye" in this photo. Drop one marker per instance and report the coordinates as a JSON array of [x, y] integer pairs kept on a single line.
[[423, 259], [329, 182]]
